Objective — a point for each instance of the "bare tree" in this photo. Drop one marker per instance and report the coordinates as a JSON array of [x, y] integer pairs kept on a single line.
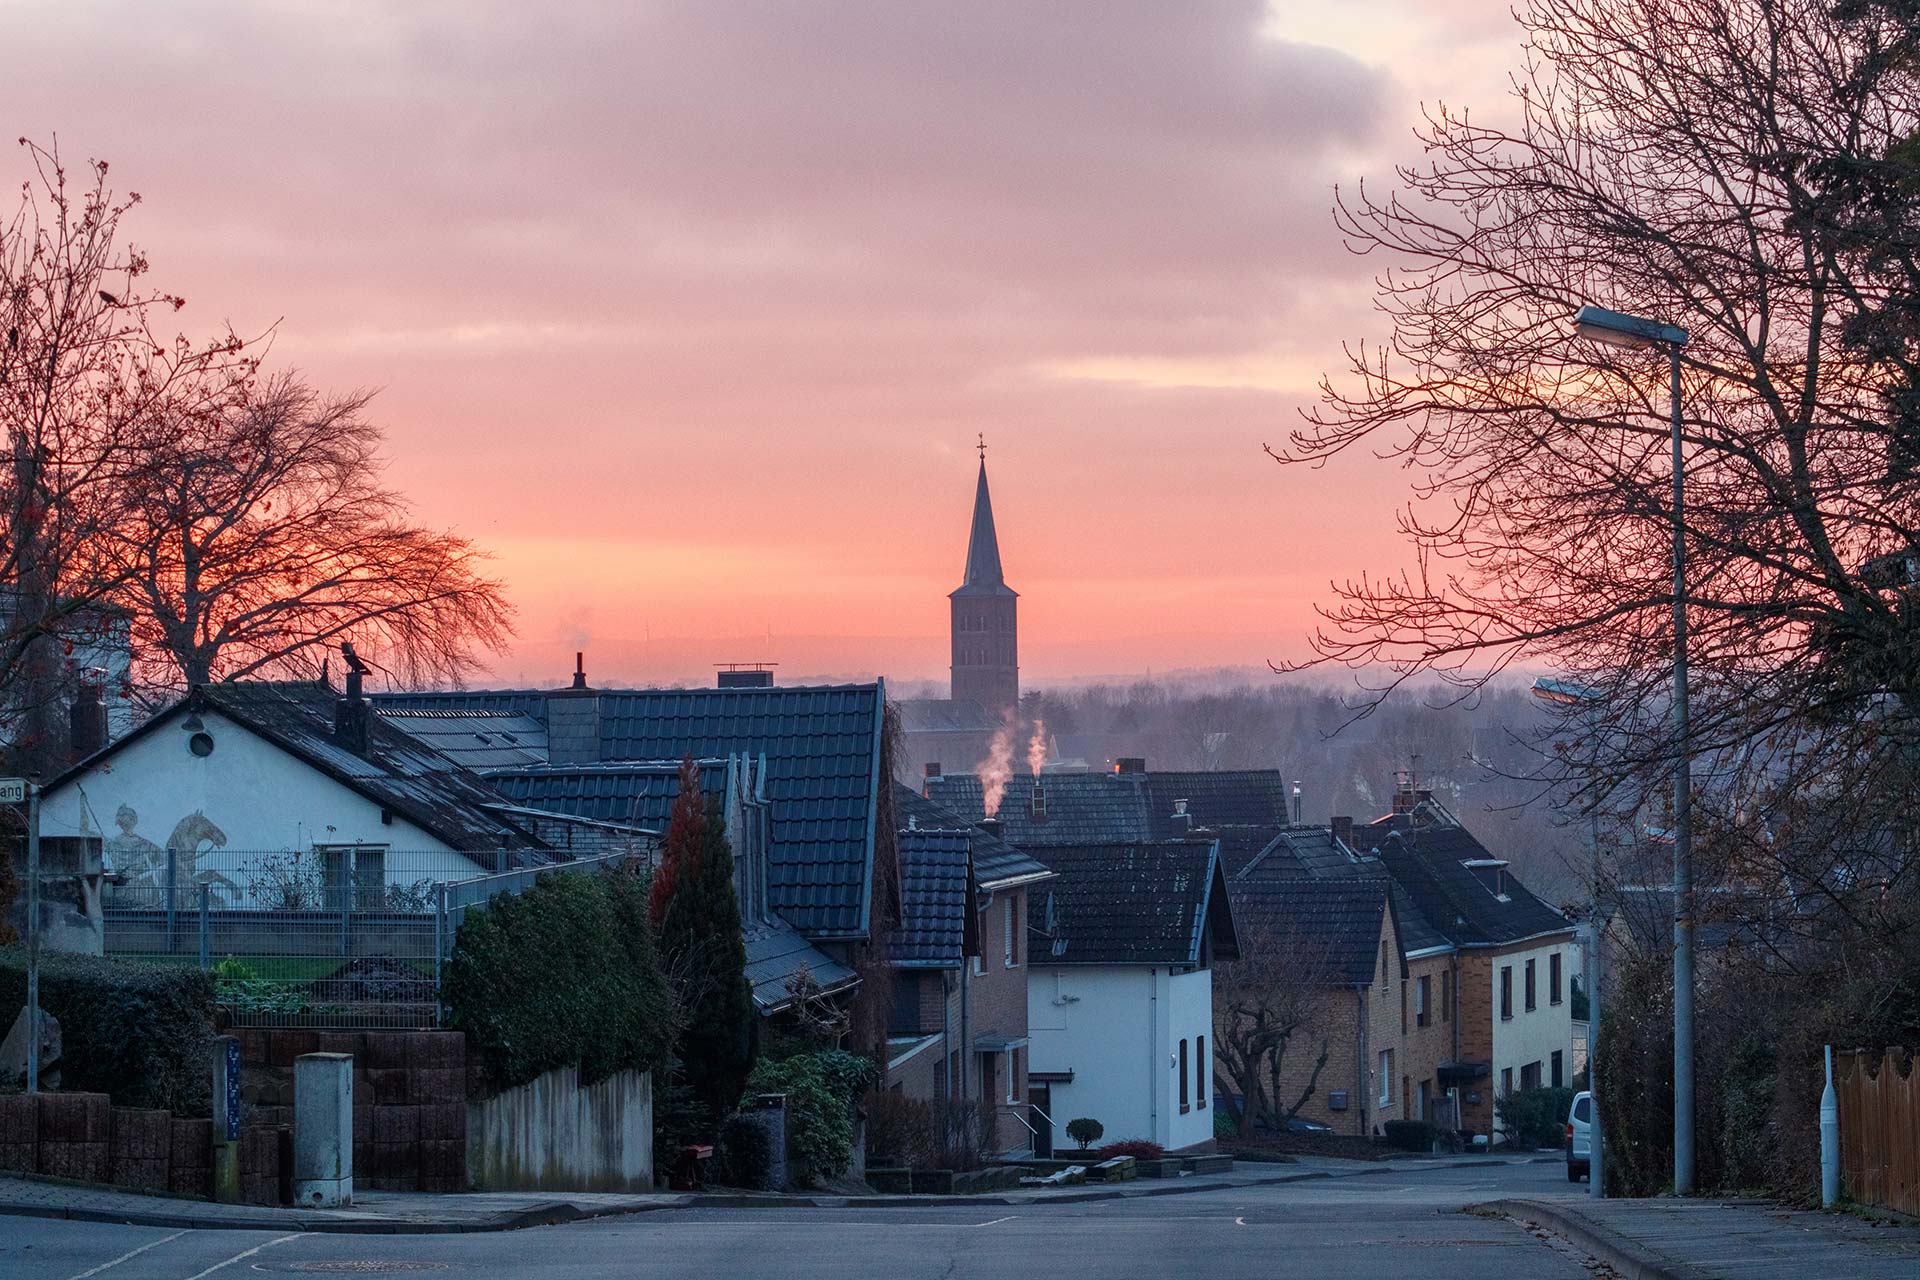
[[261, 536], [1273, 1001], [1675, 159], [84, 378]]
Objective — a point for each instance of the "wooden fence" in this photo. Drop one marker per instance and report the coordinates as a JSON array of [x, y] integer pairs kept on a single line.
[[1879, 1097]]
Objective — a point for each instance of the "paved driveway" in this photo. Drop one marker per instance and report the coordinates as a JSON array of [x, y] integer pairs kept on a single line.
[[1398, 1226]]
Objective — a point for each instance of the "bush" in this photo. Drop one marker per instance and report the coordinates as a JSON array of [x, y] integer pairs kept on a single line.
[[745, 1155], [141, 1033], [1085, 1131], [1224, 1125], [561, 975], [915, 1133], [1138, 1148], [1410, 1135], [820, 1089], [237, 987], [1534, 1118]]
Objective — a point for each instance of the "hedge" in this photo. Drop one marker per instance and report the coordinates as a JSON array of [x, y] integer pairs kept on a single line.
[[561, 975], [1534, 1118], [139, 1032], [1410, 1135], [820, 1089]]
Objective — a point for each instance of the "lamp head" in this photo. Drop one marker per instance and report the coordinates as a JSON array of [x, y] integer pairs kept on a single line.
[[1618, 329]]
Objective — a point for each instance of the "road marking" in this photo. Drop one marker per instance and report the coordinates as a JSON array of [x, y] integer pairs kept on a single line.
[[242, 1256], [997, 1221], [131, 1253], [1239, 1222]]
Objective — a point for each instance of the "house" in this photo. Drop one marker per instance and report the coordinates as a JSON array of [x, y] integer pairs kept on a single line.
[[802, 768], [1126, 805], [1330, 949], [254, 788], [961, 960], [1120, 996]]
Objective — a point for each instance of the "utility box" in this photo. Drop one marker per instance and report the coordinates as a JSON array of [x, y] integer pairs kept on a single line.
[[323, 1129]]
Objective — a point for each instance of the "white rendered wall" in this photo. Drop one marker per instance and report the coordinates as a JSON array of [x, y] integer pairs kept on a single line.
[[1536, 1036]]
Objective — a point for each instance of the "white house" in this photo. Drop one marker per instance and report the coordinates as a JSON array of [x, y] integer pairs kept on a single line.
[[271, 791], [1120, 990]]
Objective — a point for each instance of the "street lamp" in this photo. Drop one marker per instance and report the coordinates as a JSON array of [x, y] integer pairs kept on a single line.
[[1619, 330], [1589, 701]]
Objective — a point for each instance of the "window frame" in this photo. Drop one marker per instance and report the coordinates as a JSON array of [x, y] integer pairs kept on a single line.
[[1506, 993], [1555, 974], [1532, 985], [1185, 1103]]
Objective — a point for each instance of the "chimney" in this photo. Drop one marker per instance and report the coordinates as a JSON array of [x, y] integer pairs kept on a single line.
[[1343, 831], [1037, 805], [579, 670], [1296, 802], [87, 720], [351, 714], [933, 768], [1182, 820], [1404, 796], [990, 825], [1130, 764], [573, 720], [746, 675]]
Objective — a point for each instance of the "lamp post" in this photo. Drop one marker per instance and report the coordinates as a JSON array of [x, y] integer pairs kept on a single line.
[[1617, 329]]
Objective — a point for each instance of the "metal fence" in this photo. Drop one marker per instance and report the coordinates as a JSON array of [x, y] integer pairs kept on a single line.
[[342, 938]]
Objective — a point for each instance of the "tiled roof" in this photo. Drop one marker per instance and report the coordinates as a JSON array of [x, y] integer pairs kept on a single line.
[[822, 746], [636, 792], [777, 954], [397, 771], [1137, 904], [1331, 928], [934, 867], [477, 739], [1461, 904], [1243, 846], [1091, 808], [527, 702], [995, 862], [1225, 797]]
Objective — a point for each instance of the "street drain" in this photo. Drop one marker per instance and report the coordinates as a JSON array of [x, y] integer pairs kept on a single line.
[[351, 1267]]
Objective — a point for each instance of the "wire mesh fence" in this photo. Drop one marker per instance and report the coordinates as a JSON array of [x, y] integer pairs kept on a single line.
[[324, 937]]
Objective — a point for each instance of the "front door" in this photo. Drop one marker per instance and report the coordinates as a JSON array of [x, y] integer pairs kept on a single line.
[[989, 1096], [1039, 1113]]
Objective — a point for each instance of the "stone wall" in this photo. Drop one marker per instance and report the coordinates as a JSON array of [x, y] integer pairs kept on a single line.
[[83, 1137]]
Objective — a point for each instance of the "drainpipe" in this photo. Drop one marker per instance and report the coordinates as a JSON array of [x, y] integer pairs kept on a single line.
[[966, 1023], [1153, 1053], [1453, 963], [1361, 1086]]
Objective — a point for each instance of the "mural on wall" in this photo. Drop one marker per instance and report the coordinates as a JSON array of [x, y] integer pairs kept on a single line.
[[143, 864]]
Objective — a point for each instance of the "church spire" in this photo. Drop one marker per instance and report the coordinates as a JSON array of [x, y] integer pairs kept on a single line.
[[983, 545]]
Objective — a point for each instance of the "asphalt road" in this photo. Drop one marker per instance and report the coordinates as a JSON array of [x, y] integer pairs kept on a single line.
[[1403, 1226]]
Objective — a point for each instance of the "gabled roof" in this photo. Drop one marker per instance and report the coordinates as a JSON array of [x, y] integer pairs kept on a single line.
[[822, 747], [983, 576], [476, 739], [777, 954], [1242, 847], [397, 771], [1148, 904], [935, 893], [1463, 904], [1107, 807], [634, 792], [1214, 798], [1331, 928], [995, 862]]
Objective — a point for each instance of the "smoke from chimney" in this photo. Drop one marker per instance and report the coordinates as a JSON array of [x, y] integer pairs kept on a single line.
[[1037, 747], [997, 769]]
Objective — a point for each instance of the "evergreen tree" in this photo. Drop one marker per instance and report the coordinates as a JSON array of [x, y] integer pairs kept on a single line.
[[697, 917]]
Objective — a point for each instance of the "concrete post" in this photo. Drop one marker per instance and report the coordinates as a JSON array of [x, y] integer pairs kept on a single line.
[[323, 1129], [226, 1119], [1829, 1140]]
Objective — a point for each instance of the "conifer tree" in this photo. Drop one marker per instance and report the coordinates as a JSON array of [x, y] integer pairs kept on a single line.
[[697, 921]]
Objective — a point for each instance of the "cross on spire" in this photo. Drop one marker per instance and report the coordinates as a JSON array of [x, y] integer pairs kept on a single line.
[[983, 446]]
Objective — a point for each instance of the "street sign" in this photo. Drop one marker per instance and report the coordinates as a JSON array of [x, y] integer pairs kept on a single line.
[[13, 790]]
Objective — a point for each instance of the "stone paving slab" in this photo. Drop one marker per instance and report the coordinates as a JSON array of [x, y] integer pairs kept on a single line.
[[1705, 1239], [381, 1212]]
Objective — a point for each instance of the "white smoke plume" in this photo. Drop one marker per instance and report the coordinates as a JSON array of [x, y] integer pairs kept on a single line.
[[1037, 747], [997, 768]]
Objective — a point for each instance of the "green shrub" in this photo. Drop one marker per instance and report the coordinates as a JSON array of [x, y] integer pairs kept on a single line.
[[561, 975], [820, 1089], [239, 988], [140, 1032], [745, 1155], [1085, 1131], [1409, 1135], [1535, 1118], [1224, 1126]]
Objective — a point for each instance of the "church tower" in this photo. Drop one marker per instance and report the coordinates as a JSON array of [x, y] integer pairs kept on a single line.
[[986, 655]]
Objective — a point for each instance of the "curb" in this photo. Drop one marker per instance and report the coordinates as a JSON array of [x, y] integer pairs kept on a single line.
[[560, 1212], [1633, 1260]]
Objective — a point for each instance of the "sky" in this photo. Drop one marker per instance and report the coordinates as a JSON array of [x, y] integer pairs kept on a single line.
[[692, 313]]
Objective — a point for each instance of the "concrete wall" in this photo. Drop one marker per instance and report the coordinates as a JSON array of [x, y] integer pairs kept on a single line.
[[555, 1134], [1117, 1028]]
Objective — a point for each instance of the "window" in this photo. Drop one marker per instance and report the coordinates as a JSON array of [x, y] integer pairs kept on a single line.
[[1201, 1071], [1553, 978], [1446, 995], [1426, 1101], [1184, 1107], [1013, 1076], [1386, 1077], [1383, 963], [1530, 1076], [1532, 1004], [1506, 1080], [1420, 993], [1013, 932], [1559, 1069], [1506, 993], [1583, 1110]]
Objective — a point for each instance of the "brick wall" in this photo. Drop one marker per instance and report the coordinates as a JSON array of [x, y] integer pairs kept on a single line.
[[1389, 1011], [1477, 1012], [1425, 1048], [1336, 1029]]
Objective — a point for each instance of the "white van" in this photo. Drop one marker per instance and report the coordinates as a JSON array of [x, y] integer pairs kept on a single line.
[[1580, 1138]]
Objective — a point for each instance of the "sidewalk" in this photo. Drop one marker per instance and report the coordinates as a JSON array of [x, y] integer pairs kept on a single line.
[[387, 1212], [1669, 1239]]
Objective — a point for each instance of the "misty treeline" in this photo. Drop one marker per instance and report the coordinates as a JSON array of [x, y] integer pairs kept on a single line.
[[1748, 170], [171, 510], [1481, 756]]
